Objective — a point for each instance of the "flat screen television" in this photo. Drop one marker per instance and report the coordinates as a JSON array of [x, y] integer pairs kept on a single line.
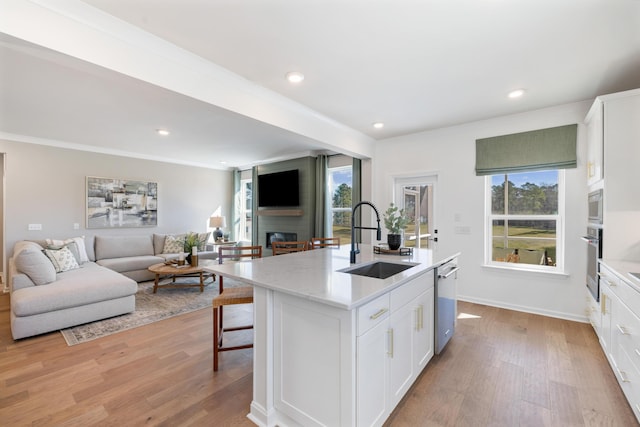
[[278, 189]]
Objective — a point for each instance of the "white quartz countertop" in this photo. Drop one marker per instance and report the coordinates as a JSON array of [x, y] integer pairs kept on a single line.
[[623, 269], [314, 274]]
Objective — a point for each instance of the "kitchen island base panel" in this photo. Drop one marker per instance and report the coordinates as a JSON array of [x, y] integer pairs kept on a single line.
[[307, 370]]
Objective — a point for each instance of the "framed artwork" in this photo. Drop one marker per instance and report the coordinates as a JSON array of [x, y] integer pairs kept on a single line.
[[120, 203]]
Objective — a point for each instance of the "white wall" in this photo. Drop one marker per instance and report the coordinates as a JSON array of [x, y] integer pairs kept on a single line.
[[450, 153], [46, 185]]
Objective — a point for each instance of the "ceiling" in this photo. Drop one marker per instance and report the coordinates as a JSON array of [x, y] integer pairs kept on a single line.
[[413, 65]]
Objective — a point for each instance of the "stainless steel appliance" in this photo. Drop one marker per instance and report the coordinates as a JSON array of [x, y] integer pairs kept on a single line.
[[594, 253], [595, 207], [445, 303]]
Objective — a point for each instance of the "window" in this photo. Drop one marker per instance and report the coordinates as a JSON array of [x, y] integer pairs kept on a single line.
[[524, 220], [246, 198], [340, 185]]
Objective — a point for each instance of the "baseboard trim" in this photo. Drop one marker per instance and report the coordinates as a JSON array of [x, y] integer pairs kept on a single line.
[[524, 309]]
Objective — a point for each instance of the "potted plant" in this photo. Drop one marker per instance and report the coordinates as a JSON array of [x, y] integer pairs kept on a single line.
[[395, 221], [190, 240]]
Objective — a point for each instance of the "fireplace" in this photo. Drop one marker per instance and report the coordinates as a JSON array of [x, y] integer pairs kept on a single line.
[[280, 236]]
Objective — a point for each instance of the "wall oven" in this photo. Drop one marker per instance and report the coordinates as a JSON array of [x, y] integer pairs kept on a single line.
[[595, 207], [594, 253]]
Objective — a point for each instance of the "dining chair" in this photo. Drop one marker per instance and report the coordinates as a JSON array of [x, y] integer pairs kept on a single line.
[[231, 296], [325, 242], [281, 248]]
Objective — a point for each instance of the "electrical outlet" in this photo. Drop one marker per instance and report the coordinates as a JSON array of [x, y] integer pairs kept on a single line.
[[35, 227], [76, 226]]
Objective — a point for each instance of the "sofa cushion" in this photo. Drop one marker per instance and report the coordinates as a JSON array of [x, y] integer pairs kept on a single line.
[[36, 265], [158, 243], [82, 256], [123, 246], [26, 244], [85, 285], [62, 259], [173, 244], [72, 246], [132, 263]]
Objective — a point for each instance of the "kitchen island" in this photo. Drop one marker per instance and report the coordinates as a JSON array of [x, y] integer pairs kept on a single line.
[[333, 348]]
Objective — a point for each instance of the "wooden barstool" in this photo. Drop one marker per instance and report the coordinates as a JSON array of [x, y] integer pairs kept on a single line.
[[325, 242], [231, 296], [281, 248]]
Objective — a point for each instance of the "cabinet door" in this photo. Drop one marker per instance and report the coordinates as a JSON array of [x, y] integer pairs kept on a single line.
[[401, 334], [423, 331], [606, 311], [594, 314], [595, 144], [372, 375]]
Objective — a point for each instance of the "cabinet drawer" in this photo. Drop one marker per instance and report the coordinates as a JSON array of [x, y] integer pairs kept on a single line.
[[608, 277], [627, 330], [629, 379], [373, 313], [411, 290], [624, 291]]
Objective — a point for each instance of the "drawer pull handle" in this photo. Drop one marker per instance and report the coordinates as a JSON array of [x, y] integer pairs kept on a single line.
[[622, 330], [623, 376], [390, 335], [419, 317], [378, 313]]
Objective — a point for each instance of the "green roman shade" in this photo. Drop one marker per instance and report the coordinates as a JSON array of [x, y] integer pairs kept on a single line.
[[553, 148]]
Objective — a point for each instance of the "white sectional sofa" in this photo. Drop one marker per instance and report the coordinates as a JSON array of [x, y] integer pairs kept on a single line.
[[101, 285]]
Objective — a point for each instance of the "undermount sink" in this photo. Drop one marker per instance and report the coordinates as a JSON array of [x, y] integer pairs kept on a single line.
[[378, 270]]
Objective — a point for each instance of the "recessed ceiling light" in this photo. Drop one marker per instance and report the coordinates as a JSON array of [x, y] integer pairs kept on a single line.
[[378, 125], [162, 132], [516, 93], [295, 77]]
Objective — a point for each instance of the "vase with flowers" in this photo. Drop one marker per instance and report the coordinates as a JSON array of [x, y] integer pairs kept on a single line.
[[395, 221]]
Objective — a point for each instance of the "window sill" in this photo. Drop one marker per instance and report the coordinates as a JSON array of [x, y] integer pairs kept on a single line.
[[527, 271]]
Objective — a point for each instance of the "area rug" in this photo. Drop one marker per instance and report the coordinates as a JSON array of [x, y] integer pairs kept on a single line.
[[150, 307]]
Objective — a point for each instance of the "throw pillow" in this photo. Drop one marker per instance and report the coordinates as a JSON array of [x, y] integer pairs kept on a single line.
[[62, 259], [173, 244], [82, 249], [36, 265], [73, 247]]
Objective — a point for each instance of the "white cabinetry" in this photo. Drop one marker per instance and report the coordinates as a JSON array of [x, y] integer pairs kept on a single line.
[[595, 145], [613, 150], [593, 313], [622, 332], [393, 347], [336, 367]]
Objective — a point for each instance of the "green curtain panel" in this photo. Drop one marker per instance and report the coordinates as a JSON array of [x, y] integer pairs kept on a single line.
[[552, 148]]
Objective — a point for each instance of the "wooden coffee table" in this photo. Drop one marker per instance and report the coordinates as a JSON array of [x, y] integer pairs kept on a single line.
[[174, 271]]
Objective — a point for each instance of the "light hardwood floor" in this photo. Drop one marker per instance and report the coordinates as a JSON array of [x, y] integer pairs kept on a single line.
[[502, 368]]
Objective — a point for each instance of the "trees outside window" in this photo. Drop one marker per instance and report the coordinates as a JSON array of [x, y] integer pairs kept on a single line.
[[525, 219], [340, 186]]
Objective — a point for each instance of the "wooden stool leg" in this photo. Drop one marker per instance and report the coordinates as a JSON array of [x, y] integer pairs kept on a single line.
[[216, 331]]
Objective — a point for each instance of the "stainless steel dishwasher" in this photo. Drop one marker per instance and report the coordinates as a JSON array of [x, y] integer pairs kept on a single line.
[[445, 303]]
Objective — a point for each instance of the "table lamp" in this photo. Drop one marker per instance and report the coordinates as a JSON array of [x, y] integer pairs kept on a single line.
[[217, 222]]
